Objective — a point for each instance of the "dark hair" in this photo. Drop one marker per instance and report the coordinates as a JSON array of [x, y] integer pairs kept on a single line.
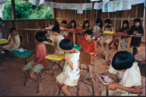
[[127, 27], [66, 44], [108, 21], [89, 32], [56, 23], [40, 36], [99, 21], [12, 29], [73, 21], [85, 23], [64, 22], [137, 20], [56, 29], [123, 60]]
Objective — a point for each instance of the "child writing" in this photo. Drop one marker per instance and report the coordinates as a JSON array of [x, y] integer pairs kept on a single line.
[[14, 40], [88, 44], [85, 26], [127, 70], [56, 37], [71, 72], [97, 29], [38, 63], [64, 26], [106, 38], [136, 30]]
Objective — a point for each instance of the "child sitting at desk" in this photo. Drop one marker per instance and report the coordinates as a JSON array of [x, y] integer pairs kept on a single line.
[[39, 62], [64, 26], [71, 71], [97, 29], [124, 66], [85, 26], [88, 44], [73, 26], [14, 40], [56, 37], [106, 38], [136, 30]]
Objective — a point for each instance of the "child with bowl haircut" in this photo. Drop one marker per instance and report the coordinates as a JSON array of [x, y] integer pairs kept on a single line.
[[71, 72], [88, 44], [126, 68], [136, 30], [56, 37], [38, 63]]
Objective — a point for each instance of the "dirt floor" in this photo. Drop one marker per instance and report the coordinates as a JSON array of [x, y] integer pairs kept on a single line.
[[12, 79]]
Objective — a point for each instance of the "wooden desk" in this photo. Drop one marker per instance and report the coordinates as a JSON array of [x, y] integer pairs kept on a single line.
[[120, 35], [35, 31]]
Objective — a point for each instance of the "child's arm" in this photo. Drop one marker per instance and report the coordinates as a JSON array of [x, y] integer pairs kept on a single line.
[[68, 60], [39, 60], [134, 89], [112, 29]]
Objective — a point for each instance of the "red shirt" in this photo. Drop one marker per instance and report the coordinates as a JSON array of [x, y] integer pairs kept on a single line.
[[89, 47], [41, 52]]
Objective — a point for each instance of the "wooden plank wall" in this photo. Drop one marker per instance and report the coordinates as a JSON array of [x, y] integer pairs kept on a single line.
[[117, 17], [26, 36]]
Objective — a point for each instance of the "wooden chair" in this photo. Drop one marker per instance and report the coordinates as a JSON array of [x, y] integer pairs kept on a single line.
[[86, 59]]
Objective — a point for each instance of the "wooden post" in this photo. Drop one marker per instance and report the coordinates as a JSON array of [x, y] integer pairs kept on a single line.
[[13, 13]]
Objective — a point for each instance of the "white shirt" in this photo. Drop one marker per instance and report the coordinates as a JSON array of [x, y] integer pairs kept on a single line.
[[96, 28], [56, 40], [75, 73], [131, 77]]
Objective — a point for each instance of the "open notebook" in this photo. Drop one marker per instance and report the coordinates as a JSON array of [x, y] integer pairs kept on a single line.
[[105, 78]]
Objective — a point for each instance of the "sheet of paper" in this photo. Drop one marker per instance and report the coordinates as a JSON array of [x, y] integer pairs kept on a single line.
[[56, 5], [48, 4], [105, 1], [118, 5], [111, 6], [87, 6], [126, 4], [134, 2], [64, 5], [80, 9], [98, 6], [73, 6], [41, 2], [33, 2], [105, 7], [94, 0]]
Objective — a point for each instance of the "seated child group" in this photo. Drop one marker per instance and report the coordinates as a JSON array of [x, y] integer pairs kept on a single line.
[[123, 63]]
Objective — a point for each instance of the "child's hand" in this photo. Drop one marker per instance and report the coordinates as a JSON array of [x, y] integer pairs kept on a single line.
[[32, 64], [66, 56], [112, 86]]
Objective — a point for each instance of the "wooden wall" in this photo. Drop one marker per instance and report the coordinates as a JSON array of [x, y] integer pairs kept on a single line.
[[117, 17], [27, 37]]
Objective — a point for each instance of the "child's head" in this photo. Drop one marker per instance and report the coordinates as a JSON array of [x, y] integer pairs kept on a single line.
[[99, 22], [108, 22], [40, 36], [13, 31], [137, 22], [73, 24], [86, 24], [88, 34], [122, 60], [66, 45], [126, 24], [64, 23], [56, 30]]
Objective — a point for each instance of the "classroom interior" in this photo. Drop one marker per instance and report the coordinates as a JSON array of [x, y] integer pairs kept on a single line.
[[12, 78]]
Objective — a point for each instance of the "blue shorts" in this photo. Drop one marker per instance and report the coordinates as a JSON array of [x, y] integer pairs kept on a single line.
[[37, 68]]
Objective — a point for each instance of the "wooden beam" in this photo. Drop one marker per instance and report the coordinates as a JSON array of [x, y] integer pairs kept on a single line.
[[13, 9]]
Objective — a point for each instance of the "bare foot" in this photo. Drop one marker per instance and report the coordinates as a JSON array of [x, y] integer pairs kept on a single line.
[[27, 82]]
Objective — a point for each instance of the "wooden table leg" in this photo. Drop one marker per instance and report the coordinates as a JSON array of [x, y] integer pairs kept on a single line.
[[74, 41], [35, 39], [107, 51], [119, 47]]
